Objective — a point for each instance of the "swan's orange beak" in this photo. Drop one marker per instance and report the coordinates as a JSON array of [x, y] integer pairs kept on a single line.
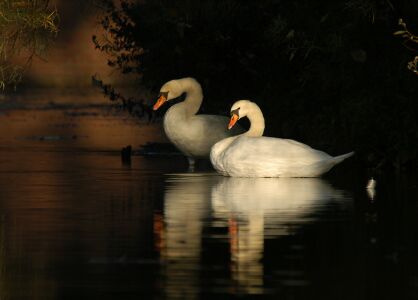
[[234, 119], [161, 100]]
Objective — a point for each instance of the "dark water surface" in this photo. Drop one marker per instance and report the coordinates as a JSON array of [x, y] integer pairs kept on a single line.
[[78, 224]]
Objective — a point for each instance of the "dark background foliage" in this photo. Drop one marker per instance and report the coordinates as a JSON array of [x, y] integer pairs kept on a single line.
[[327, 73]]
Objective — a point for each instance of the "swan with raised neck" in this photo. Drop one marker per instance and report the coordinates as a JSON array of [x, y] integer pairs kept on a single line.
[[175, 88], [193, 134], [253, 155]]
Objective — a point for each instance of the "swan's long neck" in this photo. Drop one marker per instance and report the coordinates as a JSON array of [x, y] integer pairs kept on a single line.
[[257, 122], [194, 95]]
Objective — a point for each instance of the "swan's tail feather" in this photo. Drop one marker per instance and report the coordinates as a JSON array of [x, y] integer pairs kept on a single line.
[[340, 158]]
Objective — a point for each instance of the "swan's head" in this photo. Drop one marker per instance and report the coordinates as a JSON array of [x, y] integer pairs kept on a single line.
[[239, 110], [170, 90]]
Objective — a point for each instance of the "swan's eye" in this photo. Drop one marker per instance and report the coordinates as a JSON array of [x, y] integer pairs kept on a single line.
[[164, 94], [235, 112]]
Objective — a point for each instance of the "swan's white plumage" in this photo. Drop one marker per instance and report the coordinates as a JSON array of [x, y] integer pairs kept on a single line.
[[249, 155], [192, 134]]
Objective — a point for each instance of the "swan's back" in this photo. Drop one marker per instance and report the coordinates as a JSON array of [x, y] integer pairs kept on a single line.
[[274, 148], [274, 157]]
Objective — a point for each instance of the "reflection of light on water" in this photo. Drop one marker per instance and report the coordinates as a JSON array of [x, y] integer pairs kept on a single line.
[[74, 126], [251, 208], [371, 193], [186, 204], [254, 206], [246, 244], [371, 189], [158, 232]]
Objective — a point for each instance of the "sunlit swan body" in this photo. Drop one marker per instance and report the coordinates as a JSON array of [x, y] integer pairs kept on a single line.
[[192, 134], [253, 155]]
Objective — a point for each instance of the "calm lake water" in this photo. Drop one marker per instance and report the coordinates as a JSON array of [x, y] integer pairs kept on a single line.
[[76, 223]]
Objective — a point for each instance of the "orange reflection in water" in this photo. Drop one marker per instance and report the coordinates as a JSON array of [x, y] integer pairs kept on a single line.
[[159, 235], [65, 198], [75, 127]]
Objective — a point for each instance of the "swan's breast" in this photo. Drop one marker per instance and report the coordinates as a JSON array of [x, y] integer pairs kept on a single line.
[[219, 154]]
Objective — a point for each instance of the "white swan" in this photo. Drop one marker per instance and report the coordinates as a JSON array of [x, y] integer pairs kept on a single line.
[[252, 155], [192, 134]]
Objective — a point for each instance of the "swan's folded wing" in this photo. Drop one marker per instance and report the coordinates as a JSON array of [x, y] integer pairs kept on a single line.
[[273, 157], [196, 136], [254, 149]]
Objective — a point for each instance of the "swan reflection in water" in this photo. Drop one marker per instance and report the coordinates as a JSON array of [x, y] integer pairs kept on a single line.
[[178, 231], [260, 208], [252, 209]]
